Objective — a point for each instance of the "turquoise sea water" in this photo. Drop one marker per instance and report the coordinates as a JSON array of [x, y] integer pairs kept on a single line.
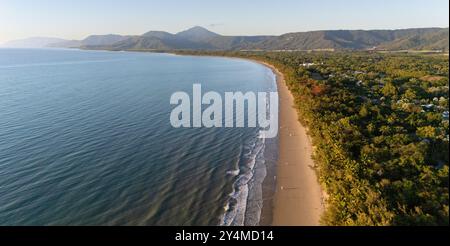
[[85, 139]]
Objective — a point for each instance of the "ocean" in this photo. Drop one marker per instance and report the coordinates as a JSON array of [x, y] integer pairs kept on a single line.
[[86, 139]]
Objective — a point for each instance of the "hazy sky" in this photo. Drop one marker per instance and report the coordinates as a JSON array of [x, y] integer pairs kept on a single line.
[[75, 19]]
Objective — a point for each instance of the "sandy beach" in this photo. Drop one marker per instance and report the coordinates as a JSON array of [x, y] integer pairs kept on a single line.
[[298, 197]]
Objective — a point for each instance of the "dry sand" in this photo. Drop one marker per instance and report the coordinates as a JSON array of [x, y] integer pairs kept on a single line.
[[298, 197]]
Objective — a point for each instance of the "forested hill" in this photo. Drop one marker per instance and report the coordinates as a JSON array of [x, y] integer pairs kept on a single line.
[[199, 38], [407, 39]]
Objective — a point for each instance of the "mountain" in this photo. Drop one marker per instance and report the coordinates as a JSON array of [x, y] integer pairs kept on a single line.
[[197, 34], [430, 38], [235, 42], [435, 40], [90, 41], [34, 42], [153, 43], [199, 38], [43, 42], [194, 38], [159, 34], [95, 40]]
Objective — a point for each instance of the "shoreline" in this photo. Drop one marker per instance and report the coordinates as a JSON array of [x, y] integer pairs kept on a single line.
[[298, 198]]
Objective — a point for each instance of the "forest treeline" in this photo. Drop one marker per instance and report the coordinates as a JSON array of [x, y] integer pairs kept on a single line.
[[379, 123]]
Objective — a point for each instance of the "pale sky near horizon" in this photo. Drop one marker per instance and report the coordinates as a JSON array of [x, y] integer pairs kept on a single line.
[[77, 19]]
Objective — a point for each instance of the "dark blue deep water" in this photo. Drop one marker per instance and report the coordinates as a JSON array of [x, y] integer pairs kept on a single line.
[[85, 139]]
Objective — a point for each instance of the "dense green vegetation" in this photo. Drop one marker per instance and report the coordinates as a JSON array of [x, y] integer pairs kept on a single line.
[[380, 125]]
